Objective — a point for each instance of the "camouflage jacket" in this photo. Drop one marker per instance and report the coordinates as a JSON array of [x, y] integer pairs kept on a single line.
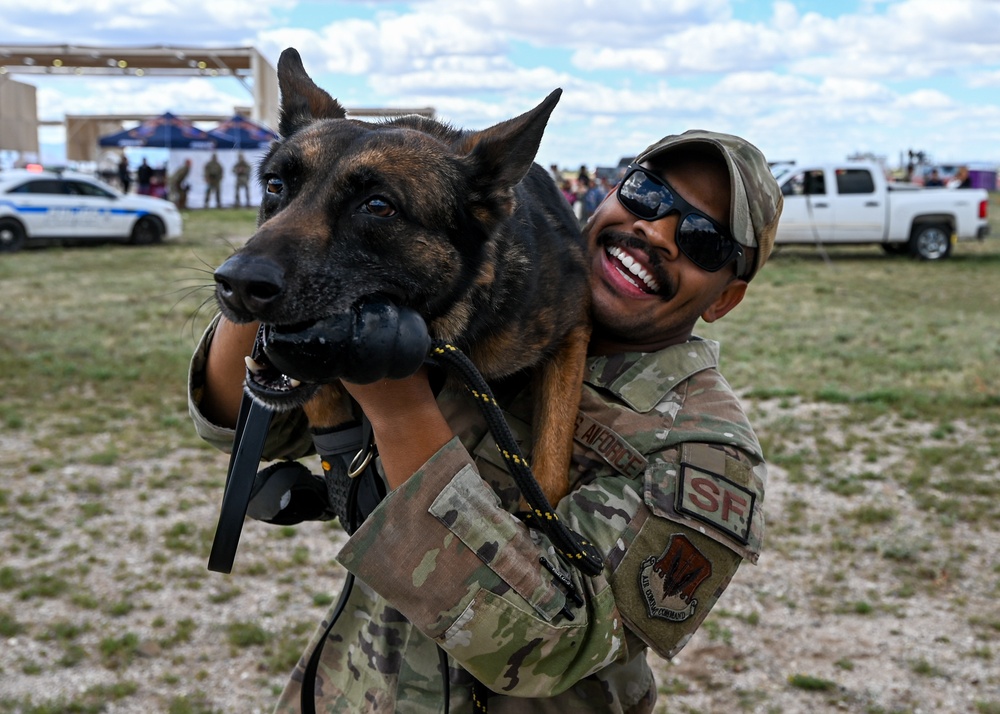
[[212, 173], [241, 170], [668, 481]]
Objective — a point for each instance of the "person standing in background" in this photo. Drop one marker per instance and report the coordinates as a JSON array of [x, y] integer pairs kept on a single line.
[[241, 169], [213, 180], [144, 178], [123, 175], [179, 186], [961, 178]]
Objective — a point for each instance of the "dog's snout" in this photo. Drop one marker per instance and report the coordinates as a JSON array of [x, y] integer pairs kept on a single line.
[[247, 284]]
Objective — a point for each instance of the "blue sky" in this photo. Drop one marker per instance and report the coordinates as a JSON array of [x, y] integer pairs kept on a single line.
[[804, 80]]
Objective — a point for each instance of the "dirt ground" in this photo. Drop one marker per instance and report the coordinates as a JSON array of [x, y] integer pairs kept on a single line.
[[870, 596]]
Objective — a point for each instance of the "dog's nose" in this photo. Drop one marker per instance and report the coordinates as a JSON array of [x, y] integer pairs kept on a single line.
[[248, 284]]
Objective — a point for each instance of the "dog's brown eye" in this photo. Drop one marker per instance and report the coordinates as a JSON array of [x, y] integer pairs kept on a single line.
[[378, 206], [274, 185]]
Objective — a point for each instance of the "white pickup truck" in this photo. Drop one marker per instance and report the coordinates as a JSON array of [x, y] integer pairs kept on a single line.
[[852, 202]]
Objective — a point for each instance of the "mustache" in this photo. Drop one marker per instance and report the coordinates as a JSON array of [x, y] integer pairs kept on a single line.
[[609, 237]]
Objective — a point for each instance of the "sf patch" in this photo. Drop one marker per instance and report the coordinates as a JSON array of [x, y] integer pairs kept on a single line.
[[669, 582], [716, 500]]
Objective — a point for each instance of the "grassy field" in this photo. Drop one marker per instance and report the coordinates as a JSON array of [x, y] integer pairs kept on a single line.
[[94, 333], [867, 373]]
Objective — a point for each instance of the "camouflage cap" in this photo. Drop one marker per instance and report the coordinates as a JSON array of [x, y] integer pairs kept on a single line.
[[756, 198]]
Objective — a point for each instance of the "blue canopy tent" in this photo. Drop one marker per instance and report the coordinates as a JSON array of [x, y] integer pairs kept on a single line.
[[166, 131], [241, 133]]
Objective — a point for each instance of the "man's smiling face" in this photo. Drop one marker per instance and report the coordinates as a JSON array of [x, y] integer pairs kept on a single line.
[[646, 293]]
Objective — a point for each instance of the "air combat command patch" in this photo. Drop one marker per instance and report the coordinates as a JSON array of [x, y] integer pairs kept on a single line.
[[669, 582]]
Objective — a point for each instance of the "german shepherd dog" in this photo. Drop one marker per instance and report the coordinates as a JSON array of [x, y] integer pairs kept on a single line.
[[460, 226]]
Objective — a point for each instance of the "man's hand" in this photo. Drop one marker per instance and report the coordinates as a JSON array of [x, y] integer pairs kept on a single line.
[[225, 371], [408, 424]]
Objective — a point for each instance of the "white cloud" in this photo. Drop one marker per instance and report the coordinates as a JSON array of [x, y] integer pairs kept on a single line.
[[134, 96], [341, 50], [984, 78], [391, 44], [584, 22], [769, 85], [95, 22], [925, 99], [877, 75], [840, 90]]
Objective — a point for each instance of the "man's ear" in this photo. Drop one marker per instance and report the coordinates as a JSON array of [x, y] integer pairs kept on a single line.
[[731, 296]]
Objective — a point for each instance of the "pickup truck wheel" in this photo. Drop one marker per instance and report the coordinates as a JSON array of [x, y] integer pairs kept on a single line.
[[12, 235], [931, 241]]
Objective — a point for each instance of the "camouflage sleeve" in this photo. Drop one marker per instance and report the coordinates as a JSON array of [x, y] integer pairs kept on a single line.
[[472, 577], [288, 437], [443, 551]]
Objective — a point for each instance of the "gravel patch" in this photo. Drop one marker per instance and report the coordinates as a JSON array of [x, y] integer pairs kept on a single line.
[[876, 591]]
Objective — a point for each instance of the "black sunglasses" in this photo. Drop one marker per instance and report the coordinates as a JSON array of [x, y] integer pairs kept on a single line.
[[701, 238]]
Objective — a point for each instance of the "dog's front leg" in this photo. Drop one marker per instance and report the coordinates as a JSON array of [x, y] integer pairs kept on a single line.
[[557, 399]]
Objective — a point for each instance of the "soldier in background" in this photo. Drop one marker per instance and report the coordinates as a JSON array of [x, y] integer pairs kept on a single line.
[[212, 174], [241, 170], [178, 185]]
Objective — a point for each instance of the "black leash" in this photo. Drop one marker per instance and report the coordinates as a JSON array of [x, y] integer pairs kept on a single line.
[[244, 460], [570, 545]]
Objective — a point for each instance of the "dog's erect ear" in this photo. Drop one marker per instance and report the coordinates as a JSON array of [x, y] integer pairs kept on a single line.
[[302, 102], [503, 153]]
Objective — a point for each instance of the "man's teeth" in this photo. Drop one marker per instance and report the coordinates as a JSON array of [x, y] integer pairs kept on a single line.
[[256, 368], [634, 267]]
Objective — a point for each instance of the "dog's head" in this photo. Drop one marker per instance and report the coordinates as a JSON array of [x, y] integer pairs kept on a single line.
[[408, 209], [404, 208]]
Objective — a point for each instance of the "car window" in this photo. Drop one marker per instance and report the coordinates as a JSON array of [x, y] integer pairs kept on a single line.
[[47, 186], [83, 188], [855, 181], [807, 183]]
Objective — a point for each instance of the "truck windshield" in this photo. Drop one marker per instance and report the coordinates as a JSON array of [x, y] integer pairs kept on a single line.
[[779, 171]]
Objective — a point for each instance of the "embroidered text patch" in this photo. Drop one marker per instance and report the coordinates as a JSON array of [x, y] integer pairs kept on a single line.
[[715, 500]]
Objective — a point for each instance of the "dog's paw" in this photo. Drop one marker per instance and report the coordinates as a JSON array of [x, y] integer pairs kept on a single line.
[[374, 340]]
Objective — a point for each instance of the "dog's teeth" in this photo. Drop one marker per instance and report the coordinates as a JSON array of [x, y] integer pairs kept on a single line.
[[293, 383], [253, 365]]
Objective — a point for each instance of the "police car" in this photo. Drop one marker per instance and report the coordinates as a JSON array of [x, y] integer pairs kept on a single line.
[[47, 205]]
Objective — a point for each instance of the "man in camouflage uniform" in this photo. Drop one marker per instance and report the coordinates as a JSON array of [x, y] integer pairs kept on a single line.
[[667, 479], [212, 173], [241, 170], [178, 185]]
